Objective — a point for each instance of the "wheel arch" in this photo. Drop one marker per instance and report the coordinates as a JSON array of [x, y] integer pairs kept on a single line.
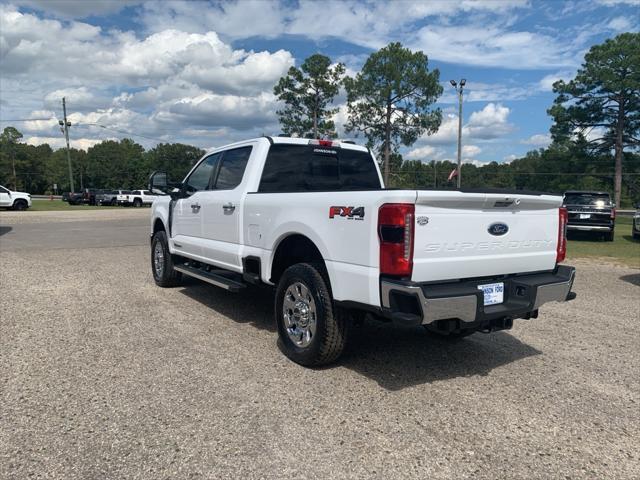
[[291, 249]]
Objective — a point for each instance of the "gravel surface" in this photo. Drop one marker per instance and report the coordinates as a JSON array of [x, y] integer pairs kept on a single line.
[[105, 375]]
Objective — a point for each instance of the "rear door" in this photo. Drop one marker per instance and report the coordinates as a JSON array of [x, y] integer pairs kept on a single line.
[[465, 235], [186, 225], [222, 209]]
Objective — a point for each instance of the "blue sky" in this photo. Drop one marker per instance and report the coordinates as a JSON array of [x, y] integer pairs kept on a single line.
[[202, 72]]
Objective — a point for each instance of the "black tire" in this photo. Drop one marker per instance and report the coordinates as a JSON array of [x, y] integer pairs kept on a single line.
[[137, 202], [20, 204], [608, 237], [635, 235], [331, 322], [164, 276], [114, 202]]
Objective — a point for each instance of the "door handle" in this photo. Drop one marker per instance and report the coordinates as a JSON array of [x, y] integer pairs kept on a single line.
[[195, 207], [229, 207]]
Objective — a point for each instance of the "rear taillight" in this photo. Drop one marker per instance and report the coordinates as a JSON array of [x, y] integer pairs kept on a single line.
[[613, 214], [395, 230], [561, 251]]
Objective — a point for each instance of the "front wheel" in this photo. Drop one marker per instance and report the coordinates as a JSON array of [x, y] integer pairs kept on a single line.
[[137, 203], [162, 263], [312, 331], [20, 205]]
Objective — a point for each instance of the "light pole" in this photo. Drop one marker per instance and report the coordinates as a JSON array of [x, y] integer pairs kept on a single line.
[[459, 87], [64, 126]]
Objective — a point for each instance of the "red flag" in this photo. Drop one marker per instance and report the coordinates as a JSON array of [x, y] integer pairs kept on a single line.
[[453, 174]]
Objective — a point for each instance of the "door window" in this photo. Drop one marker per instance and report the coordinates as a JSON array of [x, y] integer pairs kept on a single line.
[[234, 163], [200, 178]]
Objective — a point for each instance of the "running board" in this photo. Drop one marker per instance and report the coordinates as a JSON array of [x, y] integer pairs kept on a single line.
[[210, 277]]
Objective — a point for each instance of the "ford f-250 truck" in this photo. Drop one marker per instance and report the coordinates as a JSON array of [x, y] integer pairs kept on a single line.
[[313, 219]]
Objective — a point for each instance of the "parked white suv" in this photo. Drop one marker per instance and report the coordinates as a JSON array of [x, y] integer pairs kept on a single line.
[[14, 200], [312, 218], [138, 198]]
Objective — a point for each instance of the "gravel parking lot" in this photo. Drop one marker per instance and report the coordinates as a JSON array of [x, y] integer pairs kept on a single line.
[[104, 375]]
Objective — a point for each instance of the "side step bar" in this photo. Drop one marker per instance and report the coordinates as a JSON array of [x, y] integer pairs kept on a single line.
[[211, 277]]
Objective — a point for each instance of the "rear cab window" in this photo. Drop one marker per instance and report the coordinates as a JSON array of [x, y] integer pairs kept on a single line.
[[313, 168], [588, 199]]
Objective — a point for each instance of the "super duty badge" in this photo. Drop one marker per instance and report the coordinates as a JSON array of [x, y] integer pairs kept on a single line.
[[352, 213]]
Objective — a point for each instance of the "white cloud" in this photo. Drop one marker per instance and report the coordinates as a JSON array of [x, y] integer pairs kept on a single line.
[[510, 158], [59, 142], [470, 150], [538, 140], [546, 83], [490, 122], [620, 24], [425, 153]]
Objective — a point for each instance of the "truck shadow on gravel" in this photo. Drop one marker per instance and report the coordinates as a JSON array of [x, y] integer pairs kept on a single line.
[[4, 230], [394, 357], [633, 279]]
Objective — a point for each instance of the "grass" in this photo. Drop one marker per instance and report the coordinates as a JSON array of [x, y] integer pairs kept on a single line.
[[624, 249], [39, 205]]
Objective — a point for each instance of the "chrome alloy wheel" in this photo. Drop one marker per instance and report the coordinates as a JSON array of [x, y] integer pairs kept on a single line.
[[158, 259], [300, 315]]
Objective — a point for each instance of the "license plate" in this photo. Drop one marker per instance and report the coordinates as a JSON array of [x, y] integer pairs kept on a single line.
[[493, 293], [584, 216]]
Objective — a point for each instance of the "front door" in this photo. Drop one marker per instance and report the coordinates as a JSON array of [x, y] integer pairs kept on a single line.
[[186, 225], [5, 197], [222, 210]]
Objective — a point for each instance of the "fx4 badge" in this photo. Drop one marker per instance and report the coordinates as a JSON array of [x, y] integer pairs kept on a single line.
[[352, 213]]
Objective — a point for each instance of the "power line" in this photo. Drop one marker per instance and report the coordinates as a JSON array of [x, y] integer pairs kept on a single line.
[[123, 132], [29, 120]]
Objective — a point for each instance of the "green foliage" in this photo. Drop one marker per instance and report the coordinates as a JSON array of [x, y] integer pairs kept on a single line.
[[174, 158], [307, 93], [604, 95], [390, 100], [108, 164]]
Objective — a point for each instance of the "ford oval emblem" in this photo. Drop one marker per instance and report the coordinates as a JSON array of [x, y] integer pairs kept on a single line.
[[498, 229]]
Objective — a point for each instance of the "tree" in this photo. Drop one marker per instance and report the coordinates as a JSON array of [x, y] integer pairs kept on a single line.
[[605, 97], [9, 138], [307, 93], [174, 158], [390, 99]]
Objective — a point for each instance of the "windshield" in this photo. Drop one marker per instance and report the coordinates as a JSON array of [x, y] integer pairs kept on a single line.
[[589, 199]]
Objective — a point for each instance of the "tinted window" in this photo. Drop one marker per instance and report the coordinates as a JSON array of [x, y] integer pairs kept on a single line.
[[308, 168], [232, 168], [200, 177], [591, 199], [4, 190], [147, 192]]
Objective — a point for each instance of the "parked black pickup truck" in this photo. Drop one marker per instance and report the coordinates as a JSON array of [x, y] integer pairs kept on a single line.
[[590, 212]]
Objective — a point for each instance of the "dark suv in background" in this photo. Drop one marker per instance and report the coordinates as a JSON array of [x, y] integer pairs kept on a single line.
[[590, 212]]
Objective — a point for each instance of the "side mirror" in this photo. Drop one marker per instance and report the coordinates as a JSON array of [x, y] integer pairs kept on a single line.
[[160, 185], [158, 182]]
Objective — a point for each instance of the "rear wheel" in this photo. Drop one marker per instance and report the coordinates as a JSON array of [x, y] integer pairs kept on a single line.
[[162, 262], [137, 202], [20, 204], [312, 331]]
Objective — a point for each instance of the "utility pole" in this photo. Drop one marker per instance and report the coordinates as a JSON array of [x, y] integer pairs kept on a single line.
[[459, 92], [65, 129]]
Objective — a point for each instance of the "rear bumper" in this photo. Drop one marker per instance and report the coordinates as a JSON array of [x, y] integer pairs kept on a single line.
[[590, 228], [415, 303]]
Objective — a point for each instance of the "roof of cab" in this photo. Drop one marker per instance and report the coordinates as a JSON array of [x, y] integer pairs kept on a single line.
[[288, 140]]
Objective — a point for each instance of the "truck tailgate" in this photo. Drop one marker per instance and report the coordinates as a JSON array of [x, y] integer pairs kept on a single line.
[[466, 235]]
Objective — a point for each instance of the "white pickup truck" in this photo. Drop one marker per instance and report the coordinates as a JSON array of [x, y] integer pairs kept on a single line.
[[313, 219]]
